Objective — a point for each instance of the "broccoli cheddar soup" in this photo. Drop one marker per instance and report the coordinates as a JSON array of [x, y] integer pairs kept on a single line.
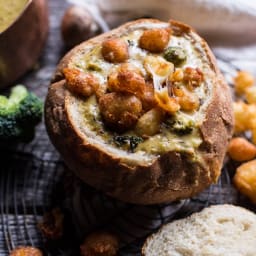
[[150, 97], [9, 11]]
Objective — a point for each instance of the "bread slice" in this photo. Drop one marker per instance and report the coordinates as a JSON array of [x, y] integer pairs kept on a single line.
[[165, 166], [220, 230]]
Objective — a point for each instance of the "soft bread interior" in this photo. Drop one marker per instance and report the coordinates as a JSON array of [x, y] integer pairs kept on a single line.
[[222, 230]]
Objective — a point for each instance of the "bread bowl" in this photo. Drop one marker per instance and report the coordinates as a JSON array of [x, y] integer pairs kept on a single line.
[[22, 39], [218, 230], [183, 152]]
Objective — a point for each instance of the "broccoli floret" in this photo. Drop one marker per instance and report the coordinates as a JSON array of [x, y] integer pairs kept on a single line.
[[131, 141], [19, 114], [176, 55], [181, 125]]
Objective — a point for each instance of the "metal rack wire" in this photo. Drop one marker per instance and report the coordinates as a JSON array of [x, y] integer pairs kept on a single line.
[[25, 191]]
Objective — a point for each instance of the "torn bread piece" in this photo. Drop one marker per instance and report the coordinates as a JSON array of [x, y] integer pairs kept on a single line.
[[220, 230]]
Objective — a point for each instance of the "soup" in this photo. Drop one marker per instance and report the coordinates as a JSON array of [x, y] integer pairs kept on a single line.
[[9, 11]]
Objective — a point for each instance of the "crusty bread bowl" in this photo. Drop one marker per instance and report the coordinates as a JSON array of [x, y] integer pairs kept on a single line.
[[21, 43], [219, 230], [171, 153]]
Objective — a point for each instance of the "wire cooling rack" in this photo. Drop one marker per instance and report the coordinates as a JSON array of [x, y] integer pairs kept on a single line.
[[33, 180], [30, 186]]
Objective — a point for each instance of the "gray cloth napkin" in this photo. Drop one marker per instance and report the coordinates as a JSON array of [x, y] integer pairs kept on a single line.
[[227, 25], [220, 21]]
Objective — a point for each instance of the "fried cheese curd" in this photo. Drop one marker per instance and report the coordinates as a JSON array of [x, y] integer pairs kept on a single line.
[[241, 149], [26, 251], [243, 81], [155, 40], [80, 83], [100, 243], [245, 107], [245, 179], [115, 50], [52, 224]]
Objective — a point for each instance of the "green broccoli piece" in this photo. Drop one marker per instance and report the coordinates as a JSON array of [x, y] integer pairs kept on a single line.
[[132, 141], [180, 125], [19, 114], [176, 55]]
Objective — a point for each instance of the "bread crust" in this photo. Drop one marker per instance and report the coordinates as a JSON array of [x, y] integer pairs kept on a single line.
[[170, 177]]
